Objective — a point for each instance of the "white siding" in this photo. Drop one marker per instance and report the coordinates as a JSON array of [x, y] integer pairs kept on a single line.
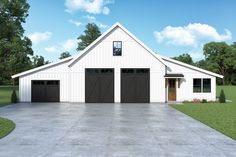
[[133, 56], [59, 72], [185, 92], [72, 79]]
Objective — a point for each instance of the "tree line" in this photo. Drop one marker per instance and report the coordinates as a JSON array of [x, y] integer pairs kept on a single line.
[[16, 54], [219, 57]]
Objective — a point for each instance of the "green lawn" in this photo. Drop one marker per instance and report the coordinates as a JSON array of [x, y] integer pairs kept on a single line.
[[6, 126], [5, 94], [221, 117]]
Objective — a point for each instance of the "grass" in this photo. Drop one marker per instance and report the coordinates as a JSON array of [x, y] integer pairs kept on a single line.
[[221, 117], [6, 127], [5, 94]]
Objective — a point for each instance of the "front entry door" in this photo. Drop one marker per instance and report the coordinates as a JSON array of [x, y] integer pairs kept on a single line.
[[171, 89]]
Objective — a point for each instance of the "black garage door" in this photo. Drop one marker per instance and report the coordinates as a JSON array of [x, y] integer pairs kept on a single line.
[[45, 91], [135, 86], [99, 85]]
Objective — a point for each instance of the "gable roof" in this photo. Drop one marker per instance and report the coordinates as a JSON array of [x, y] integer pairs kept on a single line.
[[191, 67], [84, 52], [42, 67], [75, 58]]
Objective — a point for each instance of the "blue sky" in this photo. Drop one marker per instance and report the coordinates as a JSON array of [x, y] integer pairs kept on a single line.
[[168, 27]]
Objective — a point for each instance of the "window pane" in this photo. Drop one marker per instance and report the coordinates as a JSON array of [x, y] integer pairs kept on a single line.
[[117, 48], [206, 85], [196, 85]]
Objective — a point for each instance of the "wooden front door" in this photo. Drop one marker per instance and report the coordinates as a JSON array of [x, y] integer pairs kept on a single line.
[[171, 89]]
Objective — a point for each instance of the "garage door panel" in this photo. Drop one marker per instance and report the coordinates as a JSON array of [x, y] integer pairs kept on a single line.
[[45, 91], [135, 86], [99, 85], [107, 88], [128, 94], [92, 89], [142, 89]]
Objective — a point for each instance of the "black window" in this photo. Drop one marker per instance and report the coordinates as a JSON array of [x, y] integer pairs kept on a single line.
[[197, 85], [106, 70], [38, 82], [127, 70], [52, 82], [92, 71], [206, 85], [141, 70], [117, 48]]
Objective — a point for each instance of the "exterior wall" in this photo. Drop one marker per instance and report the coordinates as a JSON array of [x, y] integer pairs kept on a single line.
[[185, 92], [58, 72], [133, 56], [72, 80]]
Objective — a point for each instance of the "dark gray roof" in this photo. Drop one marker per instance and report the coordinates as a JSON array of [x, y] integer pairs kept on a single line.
[[174, 75]]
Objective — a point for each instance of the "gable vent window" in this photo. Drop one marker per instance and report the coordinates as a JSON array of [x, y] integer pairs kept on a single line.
[[117, 48]]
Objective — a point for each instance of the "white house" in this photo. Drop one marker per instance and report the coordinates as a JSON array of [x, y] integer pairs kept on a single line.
[[117, 67]]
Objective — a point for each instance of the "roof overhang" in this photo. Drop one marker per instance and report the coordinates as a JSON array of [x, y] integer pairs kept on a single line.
[[167, 59], [174, 76], [41, 67]]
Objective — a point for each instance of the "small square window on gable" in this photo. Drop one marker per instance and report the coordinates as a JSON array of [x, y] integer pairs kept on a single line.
[[117, 48]]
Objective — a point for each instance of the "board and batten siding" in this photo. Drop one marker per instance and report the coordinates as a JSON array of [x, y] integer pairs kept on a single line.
[[185, 92], [59, 72], [133, 56]]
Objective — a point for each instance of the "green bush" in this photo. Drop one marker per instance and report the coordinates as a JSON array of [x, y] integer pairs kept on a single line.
[[14, 98], [222, 96], [204, 101]]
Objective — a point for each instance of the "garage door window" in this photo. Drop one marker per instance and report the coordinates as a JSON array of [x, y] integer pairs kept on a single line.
[[38, 82], [127, 70], [52, 82]]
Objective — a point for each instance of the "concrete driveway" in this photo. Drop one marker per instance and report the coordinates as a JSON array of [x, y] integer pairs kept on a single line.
[[91, 130]]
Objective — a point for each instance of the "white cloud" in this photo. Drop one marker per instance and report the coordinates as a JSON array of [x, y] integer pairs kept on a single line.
[[50, 49], [102, 26], [77, 23], [191, 35], [38, 37], [89, 6], [90, 18], [106, 11], [70, 44]]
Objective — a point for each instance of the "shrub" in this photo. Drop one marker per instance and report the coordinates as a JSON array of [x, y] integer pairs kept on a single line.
[[196, 100], [204, 101], [222, 96], [14, 98]]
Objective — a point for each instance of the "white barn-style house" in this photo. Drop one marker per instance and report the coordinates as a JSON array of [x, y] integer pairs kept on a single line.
[[116, 67]]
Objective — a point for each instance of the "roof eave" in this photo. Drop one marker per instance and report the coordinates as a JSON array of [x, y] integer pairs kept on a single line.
[[41, 67]]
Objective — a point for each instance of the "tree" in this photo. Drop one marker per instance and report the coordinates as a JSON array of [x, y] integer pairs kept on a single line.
[[38, 61], [201, 64], [222, 96], [64, 55], [185, 58], [220, 58], [14, 98], [15, 48], [91, 33]]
